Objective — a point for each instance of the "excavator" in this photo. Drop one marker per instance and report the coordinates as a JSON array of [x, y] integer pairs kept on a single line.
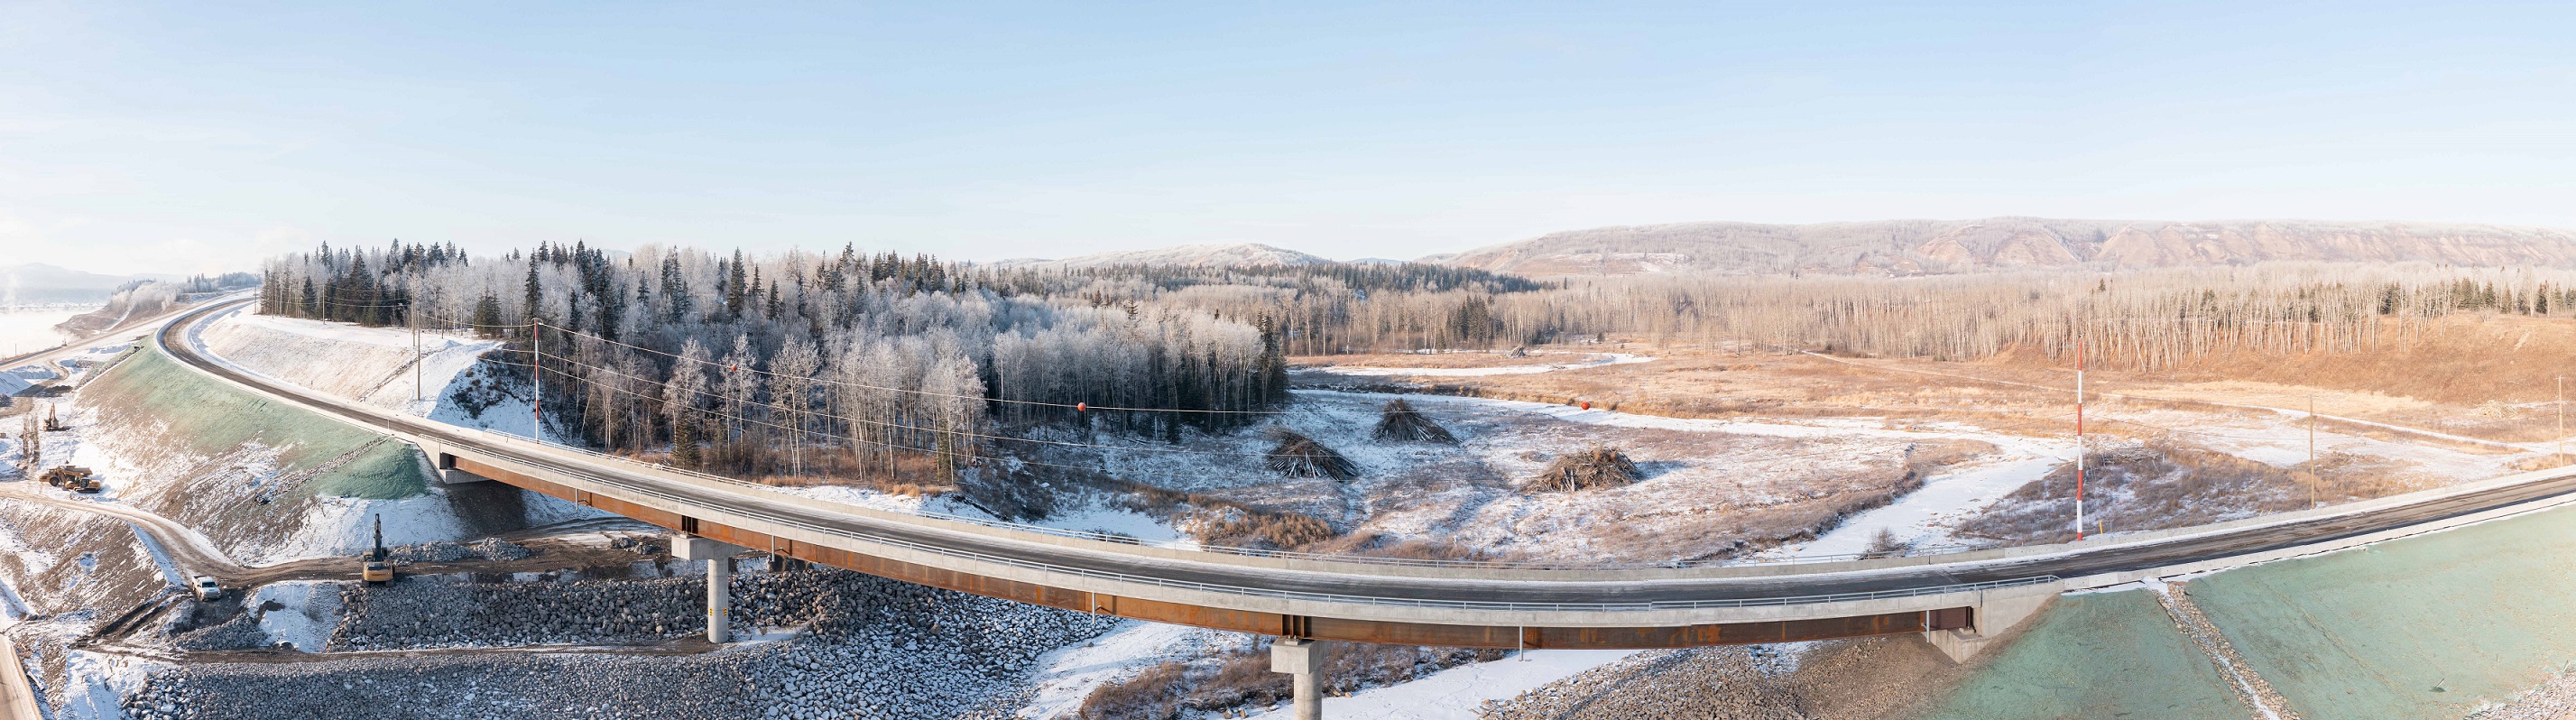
[[375, 566]]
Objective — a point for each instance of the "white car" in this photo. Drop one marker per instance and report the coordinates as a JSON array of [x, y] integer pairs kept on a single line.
[[207, 589]]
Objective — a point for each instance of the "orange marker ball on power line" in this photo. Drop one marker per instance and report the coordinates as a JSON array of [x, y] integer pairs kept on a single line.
[[1082, 407], [1587, 404]]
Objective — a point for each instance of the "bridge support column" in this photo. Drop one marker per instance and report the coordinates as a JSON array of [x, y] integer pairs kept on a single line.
[[1995, 612], [719, 557], [1303, 660]]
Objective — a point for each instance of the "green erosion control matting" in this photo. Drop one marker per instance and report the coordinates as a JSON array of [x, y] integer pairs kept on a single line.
[[213, 418], [2425, 627], [2099, 655]]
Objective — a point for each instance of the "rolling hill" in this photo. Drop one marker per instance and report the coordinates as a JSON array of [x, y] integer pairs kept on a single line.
[[1213, 255], [1910, 247]]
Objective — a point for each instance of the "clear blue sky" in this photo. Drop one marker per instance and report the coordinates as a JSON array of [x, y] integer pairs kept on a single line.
[[195, 136]]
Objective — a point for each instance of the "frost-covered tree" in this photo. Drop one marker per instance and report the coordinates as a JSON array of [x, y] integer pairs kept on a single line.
[[791, 390], [684, 402], [739, 383]]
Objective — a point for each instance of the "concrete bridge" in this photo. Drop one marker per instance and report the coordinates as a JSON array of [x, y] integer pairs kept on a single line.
[[1957, 601]]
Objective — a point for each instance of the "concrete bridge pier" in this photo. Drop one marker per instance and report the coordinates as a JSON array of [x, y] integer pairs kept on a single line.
[[1303, 660], [719, 557]]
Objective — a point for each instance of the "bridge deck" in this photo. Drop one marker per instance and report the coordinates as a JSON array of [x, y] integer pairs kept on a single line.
[[1466, 607]]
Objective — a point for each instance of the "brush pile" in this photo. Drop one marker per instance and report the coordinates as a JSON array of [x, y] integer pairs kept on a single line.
[[1399, 421], [1299, 456], [1593, 467]]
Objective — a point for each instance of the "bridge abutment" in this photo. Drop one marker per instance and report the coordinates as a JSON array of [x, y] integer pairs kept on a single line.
[[1995, 612], [1302, 660], [719, 557]]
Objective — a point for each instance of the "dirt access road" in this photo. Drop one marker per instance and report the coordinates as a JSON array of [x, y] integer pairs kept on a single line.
[[194, 555]]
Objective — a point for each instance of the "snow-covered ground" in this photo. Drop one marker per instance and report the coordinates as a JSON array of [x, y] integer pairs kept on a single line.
[[1067, 676], [1924, 518], [19, 378], [1092, 517], [102, 679], [370, 365], [309, 612], [1829, 443], [1590, 360]]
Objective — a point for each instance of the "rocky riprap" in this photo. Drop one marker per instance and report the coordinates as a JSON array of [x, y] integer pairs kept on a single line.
[[873, 648], [448, 552]]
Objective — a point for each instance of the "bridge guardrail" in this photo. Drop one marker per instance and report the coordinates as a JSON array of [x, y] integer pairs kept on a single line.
[[1342, 598], [1269, 553]]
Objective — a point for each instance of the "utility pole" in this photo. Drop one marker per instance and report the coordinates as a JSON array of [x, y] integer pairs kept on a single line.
[[2312, 431], [2079, 440], [411, 311], [537, 375]]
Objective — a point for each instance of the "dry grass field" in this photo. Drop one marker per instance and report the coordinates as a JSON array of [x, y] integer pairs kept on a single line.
[[2458, 399]]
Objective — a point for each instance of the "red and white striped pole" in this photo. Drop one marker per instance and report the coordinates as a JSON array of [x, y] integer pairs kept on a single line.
[[2079, 439]]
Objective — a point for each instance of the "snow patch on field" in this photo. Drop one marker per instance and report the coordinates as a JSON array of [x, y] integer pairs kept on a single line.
[[1067, 676], [18, 379], [101, 682], [1090, 518], [1455, 693], [1925, 517], [312, 610], [871, 499]]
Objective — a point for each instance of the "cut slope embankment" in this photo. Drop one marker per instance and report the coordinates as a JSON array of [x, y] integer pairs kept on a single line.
[[372, 366], [264, 481], [2432, 626]]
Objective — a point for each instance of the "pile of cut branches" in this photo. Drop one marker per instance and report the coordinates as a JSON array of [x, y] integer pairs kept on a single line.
[[1299, 456], [1592, 467], [1399, 421]]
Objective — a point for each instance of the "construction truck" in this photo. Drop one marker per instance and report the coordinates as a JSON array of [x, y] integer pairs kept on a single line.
[[74, 478], [376, 566]]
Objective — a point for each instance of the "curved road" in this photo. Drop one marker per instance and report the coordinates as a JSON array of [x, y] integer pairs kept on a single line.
[[1365, 585]]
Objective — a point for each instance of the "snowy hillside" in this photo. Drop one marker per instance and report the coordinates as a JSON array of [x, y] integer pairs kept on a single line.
[[369, 365]]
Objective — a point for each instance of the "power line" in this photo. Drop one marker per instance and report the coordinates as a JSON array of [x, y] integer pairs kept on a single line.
[[1038, 403], [772, 405]]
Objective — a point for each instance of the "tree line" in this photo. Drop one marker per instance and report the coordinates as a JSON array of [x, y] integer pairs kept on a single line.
[[770, 363]]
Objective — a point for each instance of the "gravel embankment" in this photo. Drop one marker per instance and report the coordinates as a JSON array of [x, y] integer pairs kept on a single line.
[[2552, 700], [1729, 682], [874, 648]]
